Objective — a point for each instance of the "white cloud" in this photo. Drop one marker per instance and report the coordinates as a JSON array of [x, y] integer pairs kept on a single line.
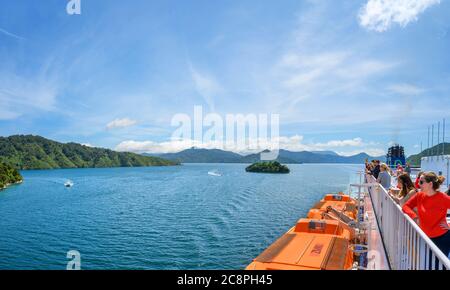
[[292, 143], [380, 15], [155, 147], [120, 123], [356, 142], [374, 152]]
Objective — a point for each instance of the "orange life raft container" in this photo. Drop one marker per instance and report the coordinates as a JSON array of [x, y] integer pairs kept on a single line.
[[340, 202], [310, 245]]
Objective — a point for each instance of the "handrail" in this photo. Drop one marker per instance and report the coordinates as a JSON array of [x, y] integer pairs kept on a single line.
[[407, 246]]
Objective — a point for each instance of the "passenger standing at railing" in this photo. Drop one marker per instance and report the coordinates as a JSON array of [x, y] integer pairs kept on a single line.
[[384, 178], [432, 206], [399, 170], [408, 168], [376, 169], [407, 189], [368, 167]]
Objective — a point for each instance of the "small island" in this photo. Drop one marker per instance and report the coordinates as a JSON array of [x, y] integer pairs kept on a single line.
[[8, 176], [268, 167]]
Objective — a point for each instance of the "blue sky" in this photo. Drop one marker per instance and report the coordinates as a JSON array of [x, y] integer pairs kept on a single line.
[[348, 76]]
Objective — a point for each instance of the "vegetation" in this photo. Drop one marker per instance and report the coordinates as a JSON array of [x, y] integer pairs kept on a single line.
[[35, 152], [268, 167], [415, 160], [8, 175]]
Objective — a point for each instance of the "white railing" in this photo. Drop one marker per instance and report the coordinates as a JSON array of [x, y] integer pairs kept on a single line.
[[407, 246]]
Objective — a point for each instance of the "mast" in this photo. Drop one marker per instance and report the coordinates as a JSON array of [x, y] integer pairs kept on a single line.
[[443, 137], [439, 137], [432, 139]]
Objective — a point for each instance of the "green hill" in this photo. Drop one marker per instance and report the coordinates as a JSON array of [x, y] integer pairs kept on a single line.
[[8, 175], [435, 150], [35, 152]]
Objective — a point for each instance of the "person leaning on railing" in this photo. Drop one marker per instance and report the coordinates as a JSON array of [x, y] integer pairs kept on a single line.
[[369, 167], [432, 206], [373, 168], [384, 178], [406, 187], [376, 169]]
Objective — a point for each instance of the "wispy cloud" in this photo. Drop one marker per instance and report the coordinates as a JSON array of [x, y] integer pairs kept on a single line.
[[405, 89], [317, 79], [380, 15], [20, 95], [206, 85], [120, 123], [7, 33]]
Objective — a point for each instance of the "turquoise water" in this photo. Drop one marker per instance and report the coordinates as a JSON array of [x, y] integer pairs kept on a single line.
[[157, 217]]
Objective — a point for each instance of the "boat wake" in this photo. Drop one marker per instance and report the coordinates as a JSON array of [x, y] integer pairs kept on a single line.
[[214, 173], [68, 183]]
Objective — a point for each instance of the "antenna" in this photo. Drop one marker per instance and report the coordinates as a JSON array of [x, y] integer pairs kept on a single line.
[[432, 139], [443, 137], [439, 137]]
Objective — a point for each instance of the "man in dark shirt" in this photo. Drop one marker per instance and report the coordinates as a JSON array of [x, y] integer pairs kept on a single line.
[[376, 170]]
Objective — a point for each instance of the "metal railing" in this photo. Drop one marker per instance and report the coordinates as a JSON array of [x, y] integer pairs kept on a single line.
[[407, 246]]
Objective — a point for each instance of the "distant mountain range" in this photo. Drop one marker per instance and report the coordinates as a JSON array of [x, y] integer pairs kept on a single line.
[[435, 150], [195, 155], [201, 156], [35, 152]]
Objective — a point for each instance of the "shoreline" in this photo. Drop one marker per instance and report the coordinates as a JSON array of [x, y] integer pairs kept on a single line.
[[11, 184], [69, 168]]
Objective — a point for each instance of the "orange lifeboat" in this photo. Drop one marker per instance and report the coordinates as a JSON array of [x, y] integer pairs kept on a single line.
[[339, 202], [310, 245], [338, 197]]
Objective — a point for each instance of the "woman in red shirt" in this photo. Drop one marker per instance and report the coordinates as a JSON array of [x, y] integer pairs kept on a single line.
[[432, 206]]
